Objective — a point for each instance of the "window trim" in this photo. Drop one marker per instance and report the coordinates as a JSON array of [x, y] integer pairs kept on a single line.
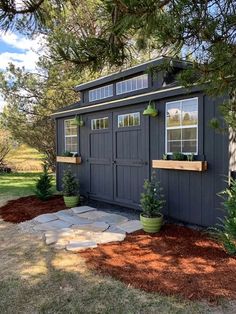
[[182, 127], [103, 118], [127, 114], [130, 79], [66, 136], [100, 88]]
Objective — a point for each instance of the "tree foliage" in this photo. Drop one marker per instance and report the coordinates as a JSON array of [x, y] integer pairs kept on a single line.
[[69, 184], [43, 188], [225, 231], [6, 143], [31, 98]]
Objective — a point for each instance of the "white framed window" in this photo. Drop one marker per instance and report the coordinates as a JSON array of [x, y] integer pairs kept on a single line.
[[182, 126], [132, 84], [71, 136], [101, 92], [99, 124], [129, 119]]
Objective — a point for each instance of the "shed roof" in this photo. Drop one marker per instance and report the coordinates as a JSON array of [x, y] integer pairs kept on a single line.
[[130, 71]]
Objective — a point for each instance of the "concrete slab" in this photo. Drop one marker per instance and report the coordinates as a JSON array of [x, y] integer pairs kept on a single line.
[[76, 246], [130, 226], [82, 209], [45, 218]]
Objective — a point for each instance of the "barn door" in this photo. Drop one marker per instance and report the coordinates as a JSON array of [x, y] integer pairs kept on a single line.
[[100, 166], [130, 155]]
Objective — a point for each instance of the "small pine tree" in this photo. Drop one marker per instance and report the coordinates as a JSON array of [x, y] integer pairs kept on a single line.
[[44, 185], [225, 230], [152, 200], [69, 184]]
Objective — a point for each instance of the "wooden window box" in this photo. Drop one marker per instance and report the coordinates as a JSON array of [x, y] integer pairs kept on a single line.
[[180, 165], [69, 160]]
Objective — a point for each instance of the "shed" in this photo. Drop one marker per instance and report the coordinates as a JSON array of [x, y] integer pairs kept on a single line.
[[119, 147]]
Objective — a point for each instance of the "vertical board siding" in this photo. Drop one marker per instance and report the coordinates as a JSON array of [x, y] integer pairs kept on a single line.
[[190, 196]]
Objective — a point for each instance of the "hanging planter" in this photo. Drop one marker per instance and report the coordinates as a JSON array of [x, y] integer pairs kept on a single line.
[[79, 121], [150, 110]]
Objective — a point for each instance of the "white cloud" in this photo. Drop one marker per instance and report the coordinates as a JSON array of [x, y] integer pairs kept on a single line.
[[27, 51], [21, 42]]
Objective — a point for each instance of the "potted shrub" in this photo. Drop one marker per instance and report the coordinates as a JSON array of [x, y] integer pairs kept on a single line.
[[70, 189], [152, 203]]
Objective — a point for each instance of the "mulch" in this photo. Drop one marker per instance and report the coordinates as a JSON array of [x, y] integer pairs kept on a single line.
[[26, 208], [177, 261]]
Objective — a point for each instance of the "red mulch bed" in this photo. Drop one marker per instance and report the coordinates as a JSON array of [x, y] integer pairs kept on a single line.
[[176, 261], [26, 208]]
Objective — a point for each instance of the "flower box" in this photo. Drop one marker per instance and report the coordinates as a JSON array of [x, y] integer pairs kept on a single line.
[[180, 165], [69, 160]]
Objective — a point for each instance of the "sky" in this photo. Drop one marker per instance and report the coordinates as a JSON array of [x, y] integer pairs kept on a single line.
[[19, 50]]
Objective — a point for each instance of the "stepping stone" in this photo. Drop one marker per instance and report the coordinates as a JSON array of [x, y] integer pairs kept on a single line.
[[94, 227], [76, 246], [113, 219], [73, 219], [106, 237], [94, 215], [45, 218], [115, 229], [130, 226], [82, 209], [52, 225], [51, 239]]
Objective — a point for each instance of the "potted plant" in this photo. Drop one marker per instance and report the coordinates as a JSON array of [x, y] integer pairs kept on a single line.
[[70, 189], [152, 203]]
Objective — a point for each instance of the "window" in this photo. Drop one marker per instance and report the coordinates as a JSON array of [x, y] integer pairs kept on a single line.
[[182, 126], [129, 119], [99, 124], [135, 83], [71, 136], [101, 92]]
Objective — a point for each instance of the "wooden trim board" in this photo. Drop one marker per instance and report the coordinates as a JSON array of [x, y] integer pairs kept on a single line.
[[180, 165], [70, 160]]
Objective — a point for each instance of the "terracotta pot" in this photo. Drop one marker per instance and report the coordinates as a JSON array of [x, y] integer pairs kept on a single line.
[[71, 201], [151, 225]]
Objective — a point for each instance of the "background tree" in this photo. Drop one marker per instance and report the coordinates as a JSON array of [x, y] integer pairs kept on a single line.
[[6, 144]]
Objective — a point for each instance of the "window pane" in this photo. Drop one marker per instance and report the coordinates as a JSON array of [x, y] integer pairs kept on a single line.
[[129, 85], [189, 146], [126, 120], [173, 135], [174, 147], [106, 123], [136, 118], [131, 120], [190, 112], [120, 121], [189, 134], [173, 114], [138, 82], [97, 124]]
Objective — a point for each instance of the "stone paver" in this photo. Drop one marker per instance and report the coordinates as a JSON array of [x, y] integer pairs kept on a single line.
[[53, 225], [45, 218], [83, 227], [130, 226], [95, 226], [76, 246], [94, 215], [73, 219], [112, 219], [82, 209]]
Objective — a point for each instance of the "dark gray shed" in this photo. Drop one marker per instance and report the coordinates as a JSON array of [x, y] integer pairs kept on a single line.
[[119, 146]]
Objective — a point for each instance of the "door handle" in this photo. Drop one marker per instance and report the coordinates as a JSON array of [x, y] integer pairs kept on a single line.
[[114, 162]]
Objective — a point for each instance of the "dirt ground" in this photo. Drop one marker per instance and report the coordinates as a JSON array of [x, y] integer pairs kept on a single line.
[[26, 208], [176, 261]]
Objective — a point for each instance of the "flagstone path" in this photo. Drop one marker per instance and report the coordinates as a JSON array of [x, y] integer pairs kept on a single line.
[[83, 227]]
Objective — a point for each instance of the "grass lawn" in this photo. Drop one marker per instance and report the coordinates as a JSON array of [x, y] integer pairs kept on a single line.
[[13, 185], [25, 158]]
